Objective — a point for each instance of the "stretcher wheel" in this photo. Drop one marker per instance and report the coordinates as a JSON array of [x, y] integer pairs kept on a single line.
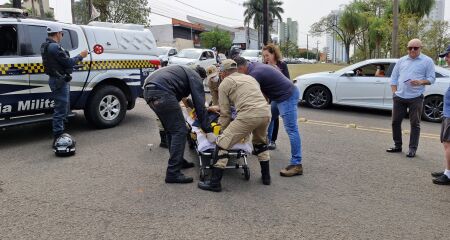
[[246, 172], [202, 174]]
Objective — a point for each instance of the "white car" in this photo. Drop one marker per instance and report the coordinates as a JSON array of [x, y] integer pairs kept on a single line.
[[252, 55], [164, 53], [193, 57], [344, 87]]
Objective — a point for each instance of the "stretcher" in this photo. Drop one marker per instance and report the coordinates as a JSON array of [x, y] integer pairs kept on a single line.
[[237, 155]]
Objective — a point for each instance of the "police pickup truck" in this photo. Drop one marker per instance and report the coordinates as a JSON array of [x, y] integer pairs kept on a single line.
[[104, 85]]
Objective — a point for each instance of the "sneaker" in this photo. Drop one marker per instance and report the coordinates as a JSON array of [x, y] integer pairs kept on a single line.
[[292, 170], [442, 180], [272, 146]]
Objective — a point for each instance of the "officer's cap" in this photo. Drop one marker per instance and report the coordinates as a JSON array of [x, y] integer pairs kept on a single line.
[[228, 64], [211, 72], [54, 28]]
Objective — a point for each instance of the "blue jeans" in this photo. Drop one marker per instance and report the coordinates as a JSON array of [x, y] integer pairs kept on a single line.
[[61, 95], [288, 111]]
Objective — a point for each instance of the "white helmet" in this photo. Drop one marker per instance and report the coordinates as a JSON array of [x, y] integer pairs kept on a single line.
[[64, 145]]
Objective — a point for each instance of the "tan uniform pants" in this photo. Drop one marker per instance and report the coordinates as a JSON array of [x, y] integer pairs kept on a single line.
[[240, 129]]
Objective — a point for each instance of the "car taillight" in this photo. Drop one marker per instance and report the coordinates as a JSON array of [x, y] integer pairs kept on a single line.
[[155, 62]]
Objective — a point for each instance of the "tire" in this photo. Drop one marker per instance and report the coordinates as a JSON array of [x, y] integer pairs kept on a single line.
[[433, 107], [318, 97], [106, 107]]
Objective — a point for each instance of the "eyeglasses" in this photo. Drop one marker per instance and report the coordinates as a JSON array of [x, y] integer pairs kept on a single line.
[[413, 48]]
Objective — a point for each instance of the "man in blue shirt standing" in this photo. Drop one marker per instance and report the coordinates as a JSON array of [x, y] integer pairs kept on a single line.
[[443, 178], [409, 77], [282, 92]]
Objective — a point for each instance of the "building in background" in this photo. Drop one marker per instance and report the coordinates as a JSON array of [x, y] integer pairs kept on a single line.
[[438, 11], [179, 34], [288, 31], [335, 47]]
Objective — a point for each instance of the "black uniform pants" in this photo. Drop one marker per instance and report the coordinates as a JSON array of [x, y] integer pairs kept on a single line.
[[168, 110]]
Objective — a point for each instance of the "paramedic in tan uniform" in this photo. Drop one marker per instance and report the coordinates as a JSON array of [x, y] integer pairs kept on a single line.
[[253, 116], [213, 84]]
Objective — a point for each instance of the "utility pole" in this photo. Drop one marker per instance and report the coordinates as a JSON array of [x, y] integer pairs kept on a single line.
[[307, 46], [266, 21]]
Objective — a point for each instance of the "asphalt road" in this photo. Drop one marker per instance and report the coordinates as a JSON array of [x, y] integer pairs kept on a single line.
[[113, 188]]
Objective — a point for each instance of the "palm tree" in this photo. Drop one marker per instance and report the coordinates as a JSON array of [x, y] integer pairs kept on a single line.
[[420, 8], [33, 8], [72, 7], [254, 12], [394, 52], [41, 9]]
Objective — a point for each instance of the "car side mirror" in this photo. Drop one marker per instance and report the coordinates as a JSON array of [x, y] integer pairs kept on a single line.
[[172, 54], [202, 58]]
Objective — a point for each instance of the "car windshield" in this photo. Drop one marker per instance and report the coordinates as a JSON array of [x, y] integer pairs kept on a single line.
[[189, 53], [163, 51], [250, 53]]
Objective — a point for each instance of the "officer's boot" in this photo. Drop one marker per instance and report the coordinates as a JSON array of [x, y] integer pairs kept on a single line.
[[214, 183], [265, 172], [162, 135]]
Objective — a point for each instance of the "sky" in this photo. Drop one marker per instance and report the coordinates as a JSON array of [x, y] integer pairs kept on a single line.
[[230, 12]]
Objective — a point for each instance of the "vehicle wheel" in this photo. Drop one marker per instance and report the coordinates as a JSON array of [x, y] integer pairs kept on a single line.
[[106, 107], [318, 97], [246, 172], [433, 107]]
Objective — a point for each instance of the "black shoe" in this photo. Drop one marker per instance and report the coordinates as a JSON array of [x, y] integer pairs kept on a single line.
[[185, 164], [179, 179], [411, 153], [442, 180], [437, 174], [265, 172], [272, 146], [394, 149], [214, 183]]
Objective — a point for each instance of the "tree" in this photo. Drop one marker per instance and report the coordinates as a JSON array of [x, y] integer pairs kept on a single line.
[[346, 26], [41, 9], [420, 8], [289, 49], [72, 8], [436, 38], [17, 3], [254, 12], [116, 11], [395, 45], [216, 38]]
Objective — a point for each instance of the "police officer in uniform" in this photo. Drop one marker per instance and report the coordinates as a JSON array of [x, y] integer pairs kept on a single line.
[[58, 65], [163, 90]]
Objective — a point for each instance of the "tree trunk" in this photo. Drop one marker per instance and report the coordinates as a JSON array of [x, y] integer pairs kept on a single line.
[[347, 52], [41, 8], [33, 8], [394, 50], [17, 4]]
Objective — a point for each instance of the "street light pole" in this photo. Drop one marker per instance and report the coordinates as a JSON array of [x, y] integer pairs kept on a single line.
[[307, 46], [265, 22]]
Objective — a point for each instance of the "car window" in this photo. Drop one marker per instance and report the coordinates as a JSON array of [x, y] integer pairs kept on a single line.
[[438, 75], [38, 34], [372, 70], [8, 40], [172, 52]]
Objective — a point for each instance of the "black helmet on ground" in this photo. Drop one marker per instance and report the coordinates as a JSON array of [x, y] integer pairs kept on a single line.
[[64, 145]]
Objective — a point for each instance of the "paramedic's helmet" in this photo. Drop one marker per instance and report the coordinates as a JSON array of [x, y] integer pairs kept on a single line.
[[54, 28], [211, 72], [64, 145]]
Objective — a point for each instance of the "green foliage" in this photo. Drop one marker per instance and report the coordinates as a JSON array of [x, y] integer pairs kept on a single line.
[[216, 38], [116, 11], [254, 12], [289, 49], [419, 8]]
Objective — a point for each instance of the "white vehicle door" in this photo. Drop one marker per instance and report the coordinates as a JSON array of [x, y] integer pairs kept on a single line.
[[14, 77], [73, 43], [361, 87], [207, 59]]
